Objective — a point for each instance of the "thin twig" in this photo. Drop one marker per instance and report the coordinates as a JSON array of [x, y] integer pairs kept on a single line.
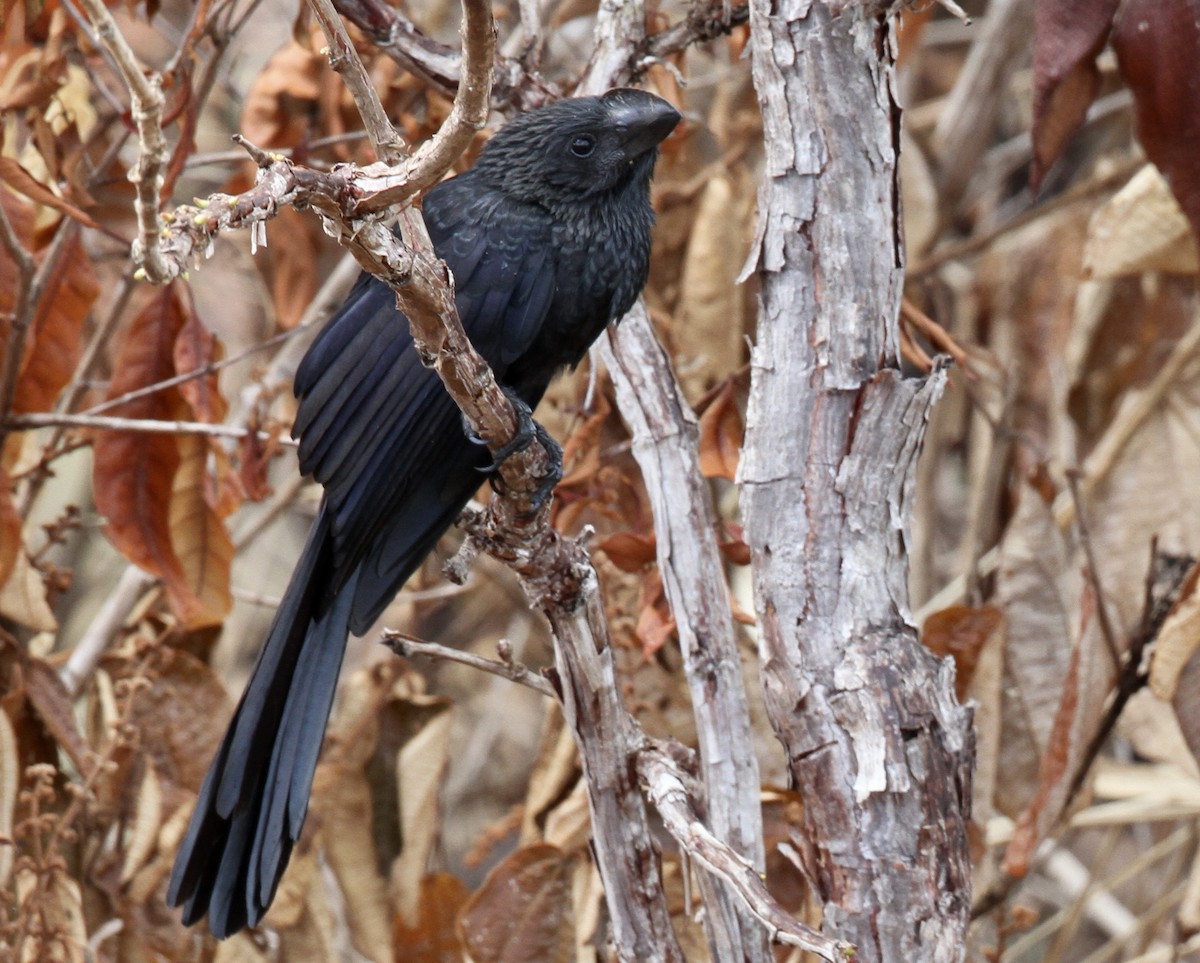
[[667, 786], [147, 175], [208, 369], [345, 60], [1107, 630], [407, 646], [148, 425]]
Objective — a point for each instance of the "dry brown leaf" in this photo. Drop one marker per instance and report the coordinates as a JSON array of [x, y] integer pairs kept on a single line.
[[10, 785], [1140, 229], [1178, 640], [1186, 702], [23, 182], [721, 432], [59, 905], [432, 939], [147, 821], [710, 303], [53, 347], [49, 698], [10, 528], [180, 716], [134, 472], [1158, 46], [280, 102], [422, 766], [344, 797], [1089, 680], [961, 632], [1068, 36], [629, 551], [1038, 588], [23, 596], [522, 912], [292, 252], [655, 623], [198, 536], [196, 347]]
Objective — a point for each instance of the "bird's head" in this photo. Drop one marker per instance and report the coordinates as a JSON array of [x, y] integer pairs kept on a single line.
[[579, 148]]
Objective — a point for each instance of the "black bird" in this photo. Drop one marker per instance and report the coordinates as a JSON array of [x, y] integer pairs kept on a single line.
[[548, 238]]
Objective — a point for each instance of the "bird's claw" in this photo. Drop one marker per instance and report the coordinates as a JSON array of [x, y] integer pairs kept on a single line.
[[527, 432]]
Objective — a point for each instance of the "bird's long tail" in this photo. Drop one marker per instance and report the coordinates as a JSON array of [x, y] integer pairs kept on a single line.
[[254, 799]]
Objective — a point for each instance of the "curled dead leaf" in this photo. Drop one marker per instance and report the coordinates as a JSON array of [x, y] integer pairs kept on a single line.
[[522, 912]]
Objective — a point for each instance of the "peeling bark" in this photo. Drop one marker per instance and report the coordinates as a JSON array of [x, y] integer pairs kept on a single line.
[[876, 742]]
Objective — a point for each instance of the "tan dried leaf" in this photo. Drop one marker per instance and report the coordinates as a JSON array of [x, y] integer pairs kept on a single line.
[[10, 785], [23, 596], [1038, 588], [1178, 639], [421, 768], [60, 907], [344, 797], [1142, 228], [198, 536], [710, 303], [522, 912], [147, 821]]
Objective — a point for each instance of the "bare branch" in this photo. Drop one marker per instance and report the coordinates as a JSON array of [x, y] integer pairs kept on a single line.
[[148, 425], [668, 787], [388, 145], [147, 104], [406, 647], [665, 436]]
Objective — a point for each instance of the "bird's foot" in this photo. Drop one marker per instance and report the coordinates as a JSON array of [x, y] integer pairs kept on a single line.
[[528, 431]]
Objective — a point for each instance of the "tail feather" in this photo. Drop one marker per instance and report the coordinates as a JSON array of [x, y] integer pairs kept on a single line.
[[252, 805]]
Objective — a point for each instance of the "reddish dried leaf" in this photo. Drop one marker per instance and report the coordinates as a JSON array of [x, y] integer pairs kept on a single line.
[[655, 623], [254, 458], [134, 472], [1068, 36], [21, 216], [734, 548], [721, 433], [1158, 48], [281, 101], [432, 939], [196, 347], [10, 529], [52, 346], [23, 182], [198, 536], [629, 551], [522, 912], [293, 248], [960, 632]]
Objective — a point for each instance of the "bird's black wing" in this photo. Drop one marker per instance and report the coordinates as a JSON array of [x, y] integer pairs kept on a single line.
[[378, 430]]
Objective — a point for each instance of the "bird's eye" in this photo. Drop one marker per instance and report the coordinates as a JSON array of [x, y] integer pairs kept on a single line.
[[583, 145]]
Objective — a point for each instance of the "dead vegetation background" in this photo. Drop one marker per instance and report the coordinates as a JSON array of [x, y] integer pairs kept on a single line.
[[1053, 545]]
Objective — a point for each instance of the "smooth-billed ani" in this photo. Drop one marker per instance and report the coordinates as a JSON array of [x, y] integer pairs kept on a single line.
[[548, 239]]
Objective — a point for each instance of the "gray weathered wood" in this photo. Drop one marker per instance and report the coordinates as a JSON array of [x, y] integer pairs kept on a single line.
[[876, 743]]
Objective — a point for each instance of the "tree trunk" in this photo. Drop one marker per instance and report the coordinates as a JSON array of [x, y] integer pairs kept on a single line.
[[876, 743]]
